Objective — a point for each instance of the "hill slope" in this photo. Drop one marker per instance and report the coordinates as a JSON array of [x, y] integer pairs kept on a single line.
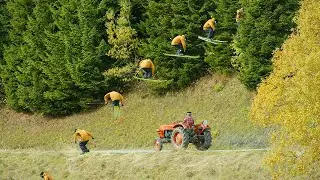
[[226, 111]]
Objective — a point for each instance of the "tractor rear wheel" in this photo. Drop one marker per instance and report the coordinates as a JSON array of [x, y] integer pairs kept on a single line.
[[179, 138], [205, 142], [158, 144]]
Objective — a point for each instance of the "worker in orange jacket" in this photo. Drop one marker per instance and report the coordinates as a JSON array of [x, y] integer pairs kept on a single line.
[[148, 68], [115, 97], [179, 42], [46, 176], [210, 27], [83, 137]]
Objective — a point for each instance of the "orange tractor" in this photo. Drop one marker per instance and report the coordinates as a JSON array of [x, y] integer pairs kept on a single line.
[[180, 134]]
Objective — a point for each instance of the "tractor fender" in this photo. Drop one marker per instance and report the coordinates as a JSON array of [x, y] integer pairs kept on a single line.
[[201, 128], [178, 125]]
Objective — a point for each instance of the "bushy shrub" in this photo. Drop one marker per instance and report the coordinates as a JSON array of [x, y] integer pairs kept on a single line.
[[120, 78]]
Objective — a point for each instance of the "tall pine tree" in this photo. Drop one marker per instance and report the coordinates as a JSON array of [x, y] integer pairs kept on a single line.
[[74, 58], [4, 38], [4, 27], [57, 54], [265, 26], [31, 78], [19, 11], [218, 56]]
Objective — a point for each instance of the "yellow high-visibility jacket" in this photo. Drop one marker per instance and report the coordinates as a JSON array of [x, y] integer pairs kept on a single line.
[[147, 63], [113, 95], [82, 135], [46, 176], [179, 40], [209, 24]]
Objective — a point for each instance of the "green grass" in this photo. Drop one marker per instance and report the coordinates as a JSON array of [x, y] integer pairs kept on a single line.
[[226, 110], [163, 165]]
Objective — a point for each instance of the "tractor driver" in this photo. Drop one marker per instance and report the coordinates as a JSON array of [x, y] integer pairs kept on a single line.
[[188, 119]]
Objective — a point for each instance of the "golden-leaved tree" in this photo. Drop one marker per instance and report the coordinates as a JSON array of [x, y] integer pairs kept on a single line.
[[289, 100]]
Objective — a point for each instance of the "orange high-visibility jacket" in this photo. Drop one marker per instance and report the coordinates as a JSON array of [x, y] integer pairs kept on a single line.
[[147, 63], [209, 24], [179, 40], [113, 95], [46, 176], [83, 135]]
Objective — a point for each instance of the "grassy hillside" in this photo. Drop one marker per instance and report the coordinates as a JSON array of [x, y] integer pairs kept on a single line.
[[224, 102], [163, 165]]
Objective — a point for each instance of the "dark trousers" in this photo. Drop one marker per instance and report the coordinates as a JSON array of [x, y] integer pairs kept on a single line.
[[83, 146], [179, 51], [147, 72], [210, 32], [116, 103]]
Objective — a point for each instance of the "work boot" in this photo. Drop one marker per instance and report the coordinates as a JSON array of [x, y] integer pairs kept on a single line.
[[84, 152]]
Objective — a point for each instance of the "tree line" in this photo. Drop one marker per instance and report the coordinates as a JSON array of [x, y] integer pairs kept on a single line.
[[56, 56]]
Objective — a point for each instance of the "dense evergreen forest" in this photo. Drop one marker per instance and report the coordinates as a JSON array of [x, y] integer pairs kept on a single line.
[[58, 55]]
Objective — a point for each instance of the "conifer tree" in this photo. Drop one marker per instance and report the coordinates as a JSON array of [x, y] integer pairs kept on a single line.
[[165, 20], [31, 79], [74, 58], [54, 63], [4, 29], [138, 15], [218, 56], [265, 26], [19, 11]]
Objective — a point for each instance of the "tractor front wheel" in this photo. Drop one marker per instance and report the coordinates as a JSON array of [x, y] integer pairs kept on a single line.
[[179, 138]]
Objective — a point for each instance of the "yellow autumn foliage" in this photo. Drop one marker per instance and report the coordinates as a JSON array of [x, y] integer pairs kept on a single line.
[[289, 100]]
